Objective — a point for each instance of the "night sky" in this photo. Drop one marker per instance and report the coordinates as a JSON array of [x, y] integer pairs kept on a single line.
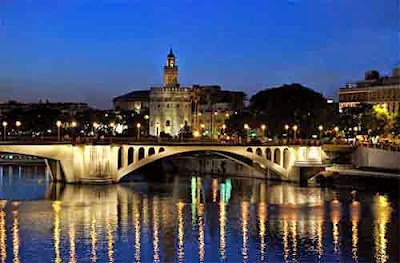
[[92, 51]]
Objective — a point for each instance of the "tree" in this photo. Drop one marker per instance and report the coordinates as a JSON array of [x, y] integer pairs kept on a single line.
[[292, 104]]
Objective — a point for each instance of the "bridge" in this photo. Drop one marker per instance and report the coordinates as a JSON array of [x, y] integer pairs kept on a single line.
[[110, 163]]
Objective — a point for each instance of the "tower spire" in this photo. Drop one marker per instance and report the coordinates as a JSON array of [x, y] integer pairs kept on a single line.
[[170, 70]]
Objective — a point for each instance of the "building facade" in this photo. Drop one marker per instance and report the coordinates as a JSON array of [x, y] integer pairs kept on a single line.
[[203, 109], [375, 90]]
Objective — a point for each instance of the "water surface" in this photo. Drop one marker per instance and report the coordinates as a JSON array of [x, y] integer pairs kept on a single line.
[[192, 219]]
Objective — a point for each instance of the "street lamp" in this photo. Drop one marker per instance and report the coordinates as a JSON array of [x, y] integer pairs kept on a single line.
[[74, 125], [355, 134], [223, 127], [158, 129], [202, 126], [320, 128], [138, 125], [246, 127], [5, 129], [58, 124], [263, 128], [182, 131], [295, 132], [18, 124]]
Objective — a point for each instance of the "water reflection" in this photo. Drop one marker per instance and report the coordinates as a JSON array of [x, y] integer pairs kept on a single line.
[[197, 219], [382, 211], [3, 234], [15, 233]]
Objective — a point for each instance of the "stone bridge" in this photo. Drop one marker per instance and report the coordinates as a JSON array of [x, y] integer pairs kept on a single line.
[[109, 163]]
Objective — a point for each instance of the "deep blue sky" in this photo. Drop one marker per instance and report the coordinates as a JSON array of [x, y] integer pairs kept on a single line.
[[91, 51]]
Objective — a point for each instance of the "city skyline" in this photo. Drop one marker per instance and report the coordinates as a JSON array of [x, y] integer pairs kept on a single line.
[[89, 52]]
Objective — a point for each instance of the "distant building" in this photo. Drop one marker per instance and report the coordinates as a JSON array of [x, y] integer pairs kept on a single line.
[[204, 108], [375, 90], [68, 108]]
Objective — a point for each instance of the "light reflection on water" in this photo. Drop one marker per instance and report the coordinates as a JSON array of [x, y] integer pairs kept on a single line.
[[196, 219]]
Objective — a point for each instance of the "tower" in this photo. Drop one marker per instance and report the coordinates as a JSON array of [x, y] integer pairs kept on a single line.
[[170, 71]]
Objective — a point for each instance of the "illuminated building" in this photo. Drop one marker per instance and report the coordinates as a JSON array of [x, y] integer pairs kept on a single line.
[[171, 105], [375, 90]]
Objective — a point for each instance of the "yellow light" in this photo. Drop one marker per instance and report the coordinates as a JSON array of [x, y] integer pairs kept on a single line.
[[263, 127], [182, 126], [58, 123], [224, 126], [295, 127], [246, 126], [196, 134], [320, 127], [355, 129], [202, 125], [146, 117], [5, 123], [95, 125], [227, 115], [18, 123], [215, 113], [199, 113], [286, 127], [336, 129], [228, 138], [74, 124], [138, 125], [112, 124]]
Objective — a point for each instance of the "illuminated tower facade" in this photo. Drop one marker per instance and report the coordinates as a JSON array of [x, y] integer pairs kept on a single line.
[[170, 71], [170, 105]]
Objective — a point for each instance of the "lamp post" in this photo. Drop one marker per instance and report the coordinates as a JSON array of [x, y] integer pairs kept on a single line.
[[18, 124], [181, 131], [336, 129], [263, 128], [158, 129], [355, 135], [246, 127], [58, 124], [74, 125], [295, 133], [138, 125], [320, 128], [202, 126], [147, 117], [5, 129], [95, 126], [287, 133]]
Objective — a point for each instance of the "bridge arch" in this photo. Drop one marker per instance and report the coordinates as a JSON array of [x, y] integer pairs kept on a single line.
[[151, 151], [268, 154], [277, 156], [259, 151], [130, 155], [227, 151], [120, 156], [141, 153]]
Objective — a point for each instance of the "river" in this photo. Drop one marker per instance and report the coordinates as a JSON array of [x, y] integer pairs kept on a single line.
[[193, 218]]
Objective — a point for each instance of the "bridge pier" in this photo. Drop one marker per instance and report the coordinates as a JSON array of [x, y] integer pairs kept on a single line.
[[55, 170]]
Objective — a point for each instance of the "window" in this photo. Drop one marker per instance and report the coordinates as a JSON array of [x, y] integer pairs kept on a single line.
[[167, 123]]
